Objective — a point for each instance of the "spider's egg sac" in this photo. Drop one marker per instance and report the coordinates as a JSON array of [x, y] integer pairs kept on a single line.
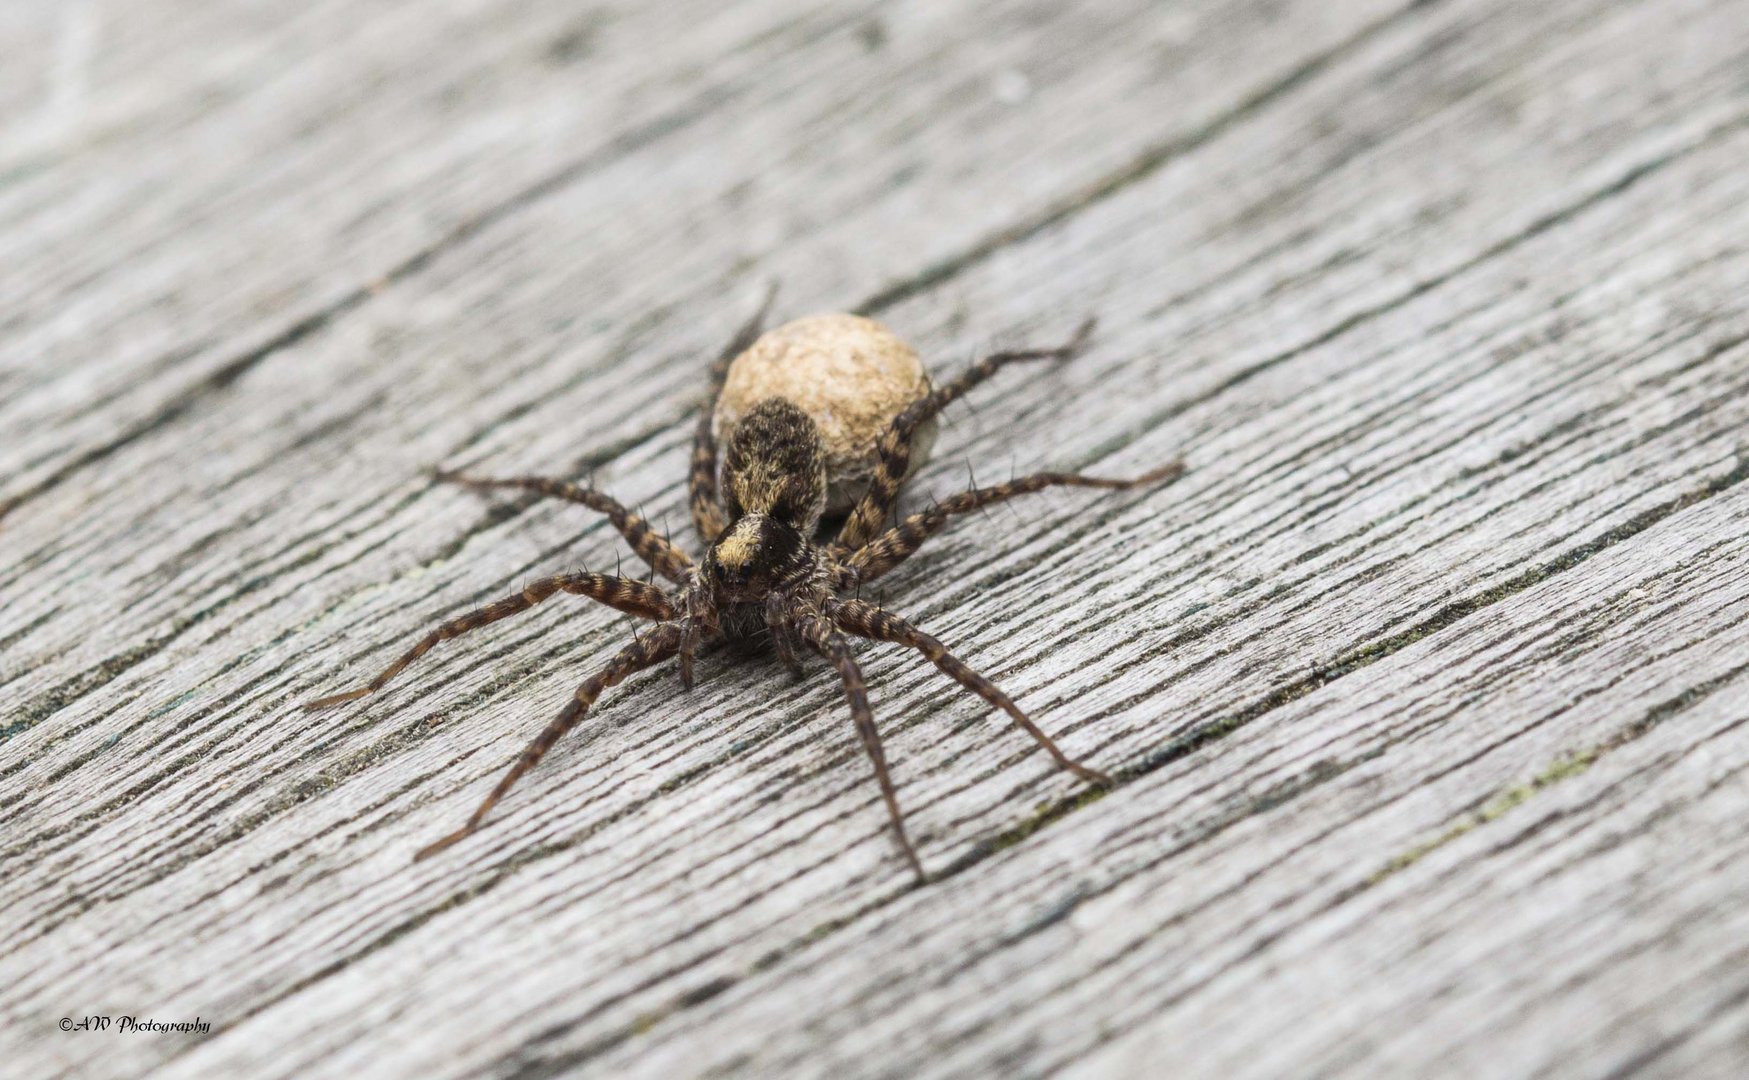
[[851, 375]]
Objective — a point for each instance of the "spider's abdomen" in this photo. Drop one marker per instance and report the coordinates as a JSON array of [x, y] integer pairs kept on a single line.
[[850, 375]]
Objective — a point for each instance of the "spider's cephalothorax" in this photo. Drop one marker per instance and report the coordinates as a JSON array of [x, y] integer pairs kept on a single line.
[[774, 482], [764, 575]]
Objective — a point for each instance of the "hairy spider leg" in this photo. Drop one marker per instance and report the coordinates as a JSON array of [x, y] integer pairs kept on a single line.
[[865, 620], [835, 647], [664, 558], [638, 598], [894, 452], [647, 651], [898, 543], [708, 516]]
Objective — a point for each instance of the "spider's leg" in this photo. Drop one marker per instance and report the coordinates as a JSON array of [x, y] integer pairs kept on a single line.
[[893, 459], [865, 620], [651, 649], [829, 643], [707, 509], [663, 557], [634, 597], [898, 543]]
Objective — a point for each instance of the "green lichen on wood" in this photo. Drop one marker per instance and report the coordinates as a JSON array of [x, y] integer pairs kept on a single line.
[[1044, 815], [1503, 803]]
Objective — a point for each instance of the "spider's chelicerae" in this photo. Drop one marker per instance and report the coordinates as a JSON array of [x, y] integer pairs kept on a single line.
[[765, 576]]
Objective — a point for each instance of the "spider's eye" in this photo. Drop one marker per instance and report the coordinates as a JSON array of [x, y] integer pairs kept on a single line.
[[749, 559]]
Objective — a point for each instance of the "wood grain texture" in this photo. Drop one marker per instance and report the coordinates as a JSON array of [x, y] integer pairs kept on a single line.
[[1426, 686]]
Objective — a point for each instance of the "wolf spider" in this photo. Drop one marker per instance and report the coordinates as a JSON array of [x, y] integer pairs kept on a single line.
[[763, 573]]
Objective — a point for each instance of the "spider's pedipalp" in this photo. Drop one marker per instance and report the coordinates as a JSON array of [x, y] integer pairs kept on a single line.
[[663, 557], [781, 623], [898, 543], [894, 452], [866, 620], [653, 648], [695, 625], [832, 645], [630, 596]]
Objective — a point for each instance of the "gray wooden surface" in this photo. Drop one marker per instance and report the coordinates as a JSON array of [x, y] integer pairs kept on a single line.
[[1428, 685]]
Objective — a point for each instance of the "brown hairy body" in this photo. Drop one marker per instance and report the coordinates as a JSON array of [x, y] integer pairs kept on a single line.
[[764, 578]]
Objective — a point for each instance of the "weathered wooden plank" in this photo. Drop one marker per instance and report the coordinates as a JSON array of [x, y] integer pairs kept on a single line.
[[401, 179], [1395, 935], [1410, 395], [335, 156]]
